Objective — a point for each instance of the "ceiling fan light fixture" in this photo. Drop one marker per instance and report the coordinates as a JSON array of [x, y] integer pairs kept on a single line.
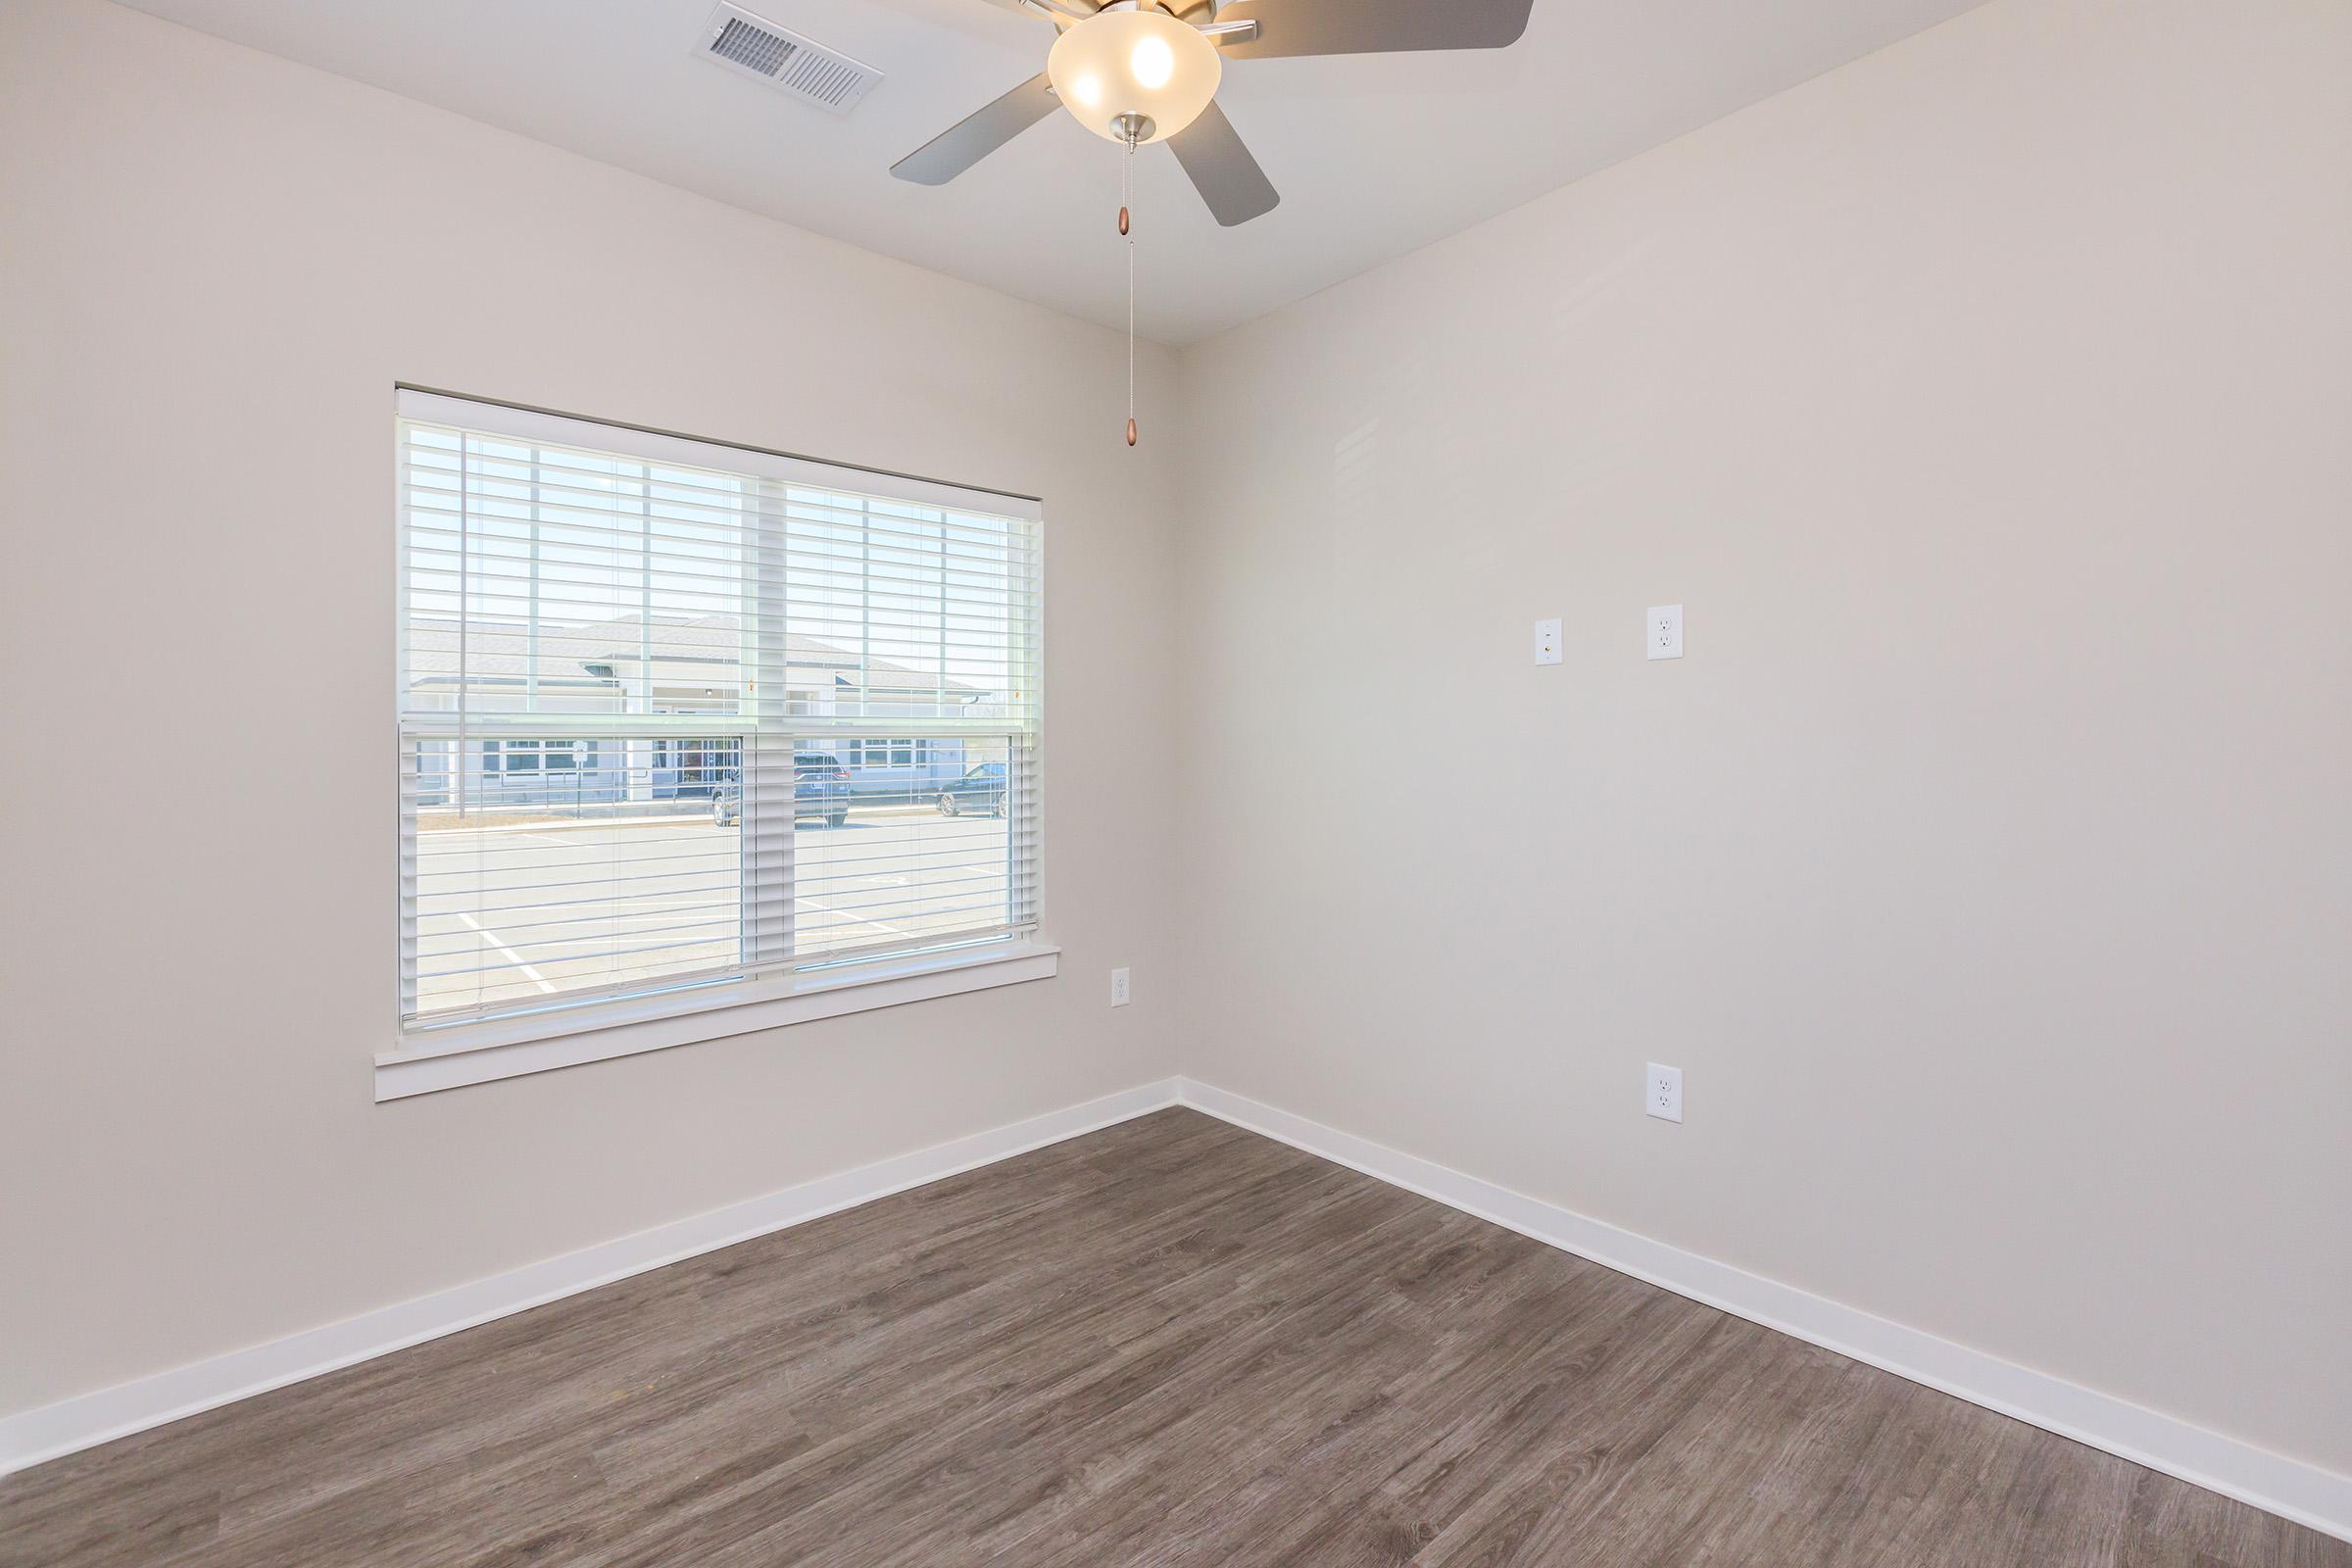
[[1131, 64]]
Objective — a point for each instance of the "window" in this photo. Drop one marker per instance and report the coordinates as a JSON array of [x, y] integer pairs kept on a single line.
[[639, 676], [529, 756], [902, 752]]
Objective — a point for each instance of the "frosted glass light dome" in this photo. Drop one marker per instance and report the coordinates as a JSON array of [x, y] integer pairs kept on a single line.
[[1134, 61]]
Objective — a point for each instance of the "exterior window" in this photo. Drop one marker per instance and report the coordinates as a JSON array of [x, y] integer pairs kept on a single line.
[[529, 756], [667, 664], [908, 752]]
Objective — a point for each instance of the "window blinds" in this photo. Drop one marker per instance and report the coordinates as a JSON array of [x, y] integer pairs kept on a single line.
[[673, 711]]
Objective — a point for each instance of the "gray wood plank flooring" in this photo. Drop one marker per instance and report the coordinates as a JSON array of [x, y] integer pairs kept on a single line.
[[1167, 1343]]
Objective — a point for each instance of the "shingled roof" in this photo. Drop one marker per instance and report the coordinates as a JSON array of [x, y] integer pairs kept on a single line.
[[501, 648]]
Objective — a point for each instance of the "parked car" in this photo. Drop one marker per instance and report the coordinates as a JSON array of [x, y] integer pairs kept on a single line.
[[820, 788], [981, 789]]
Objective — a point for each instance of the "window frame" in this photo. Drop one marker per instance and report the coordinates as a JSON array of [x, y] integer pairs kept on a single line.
[[427, 1055]]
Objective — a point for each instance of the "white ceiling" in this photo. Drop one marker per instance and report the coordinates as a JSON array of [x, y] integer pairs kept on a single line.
[[1374, 154]]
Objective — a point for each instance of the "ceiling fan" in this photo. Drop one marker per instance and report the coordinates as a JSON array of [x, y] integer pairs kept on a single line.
[[1136, 72]]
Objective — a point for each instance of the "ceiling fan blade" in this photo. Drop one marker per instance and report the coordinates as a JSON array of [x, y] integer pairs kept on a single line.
[[1222, 169], [953, 151], [1373, 27], [1062, 13]]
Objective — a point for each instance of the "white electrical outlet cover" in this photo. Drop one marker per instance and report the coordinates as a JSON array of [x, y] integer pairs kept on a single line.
[[1662, 631], [1662, 1092], [1118, 988], [1548, 642]]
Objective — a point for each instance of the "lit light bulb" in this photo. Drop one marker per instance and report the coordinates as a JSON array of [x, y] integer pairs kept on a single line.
[[1134, 74], [1152, 63]]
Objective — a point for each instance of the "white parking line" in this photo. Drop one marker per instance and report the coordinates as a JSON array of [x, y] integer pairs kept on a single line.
[[511, 956], [827, 909]]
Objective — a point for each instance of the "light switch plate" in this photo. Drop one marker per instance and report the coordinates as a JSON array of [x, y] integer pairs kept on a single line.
[[1662, 631], [1548, 642]]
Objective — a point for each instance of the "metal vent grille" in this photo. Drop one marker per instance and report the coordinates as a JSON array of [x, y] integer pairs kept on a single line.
[[827, 80], [785, 60], [753, 48]]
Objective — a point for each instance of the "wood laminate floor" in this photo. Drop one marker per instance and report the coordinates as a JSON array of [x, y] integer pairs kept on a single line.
[[1167, 1343]]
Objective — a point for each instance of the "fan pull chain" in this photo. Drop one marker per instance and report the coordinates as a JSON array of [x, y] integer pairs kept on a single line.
[[1127, 230]]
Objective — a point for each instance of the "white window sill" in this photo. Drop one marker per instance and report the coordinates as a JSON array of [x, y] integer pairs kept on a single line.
[[456, 1054]]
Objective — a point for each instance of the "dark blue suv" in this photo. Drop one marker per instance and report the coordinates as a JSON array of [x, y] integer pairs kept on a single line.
[[820, 788]]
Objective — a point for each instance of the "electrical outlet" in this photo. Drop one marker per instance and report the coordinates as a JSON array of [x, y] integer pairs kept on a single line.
[[1662, 1093], [1548, 642], [1662, 631], [1118, 988]]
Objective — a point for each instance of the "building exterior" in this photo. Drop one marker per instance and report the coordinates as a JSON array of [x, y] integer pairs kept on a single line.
[[640, 664]]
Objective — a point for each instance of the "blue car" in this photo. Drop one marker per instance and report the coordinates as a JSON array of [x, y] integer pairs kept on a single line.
[[820, 789]]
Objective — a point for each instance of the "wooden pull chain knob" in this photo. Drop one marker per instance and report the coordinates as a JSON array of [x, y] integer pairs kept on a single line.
[[1122, 219], [1131, 432]]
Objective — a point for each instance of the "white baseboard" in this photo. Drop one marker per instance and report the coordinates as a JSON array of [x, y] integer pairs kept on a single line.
[[86, 1420], [2289, 1487], [2281, 1486]]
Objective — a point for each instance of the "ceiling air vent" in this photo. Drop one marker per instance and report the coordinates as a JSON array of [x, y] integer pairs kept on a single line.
[[785, 60]]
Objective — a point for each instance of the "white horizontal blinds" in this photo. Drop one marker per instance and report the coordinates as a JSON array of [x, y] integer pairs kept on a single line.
[[940, 605], [673, 711], [939, 857], [543, 888], [573, 693]]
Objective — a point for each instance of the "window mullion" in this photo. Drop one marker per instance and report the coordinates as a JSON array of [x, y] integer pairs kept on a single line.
[[1025, 747], [770, 778], [412, 783]]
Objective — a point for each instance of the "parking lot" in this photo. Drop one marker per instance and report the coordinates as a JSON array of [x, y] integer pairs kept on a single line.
[[508, 911]]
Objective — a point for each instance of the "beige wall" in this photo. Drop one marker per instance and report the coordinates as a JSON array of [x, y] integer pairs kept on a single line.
[[1986, 863], [214, 264]]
